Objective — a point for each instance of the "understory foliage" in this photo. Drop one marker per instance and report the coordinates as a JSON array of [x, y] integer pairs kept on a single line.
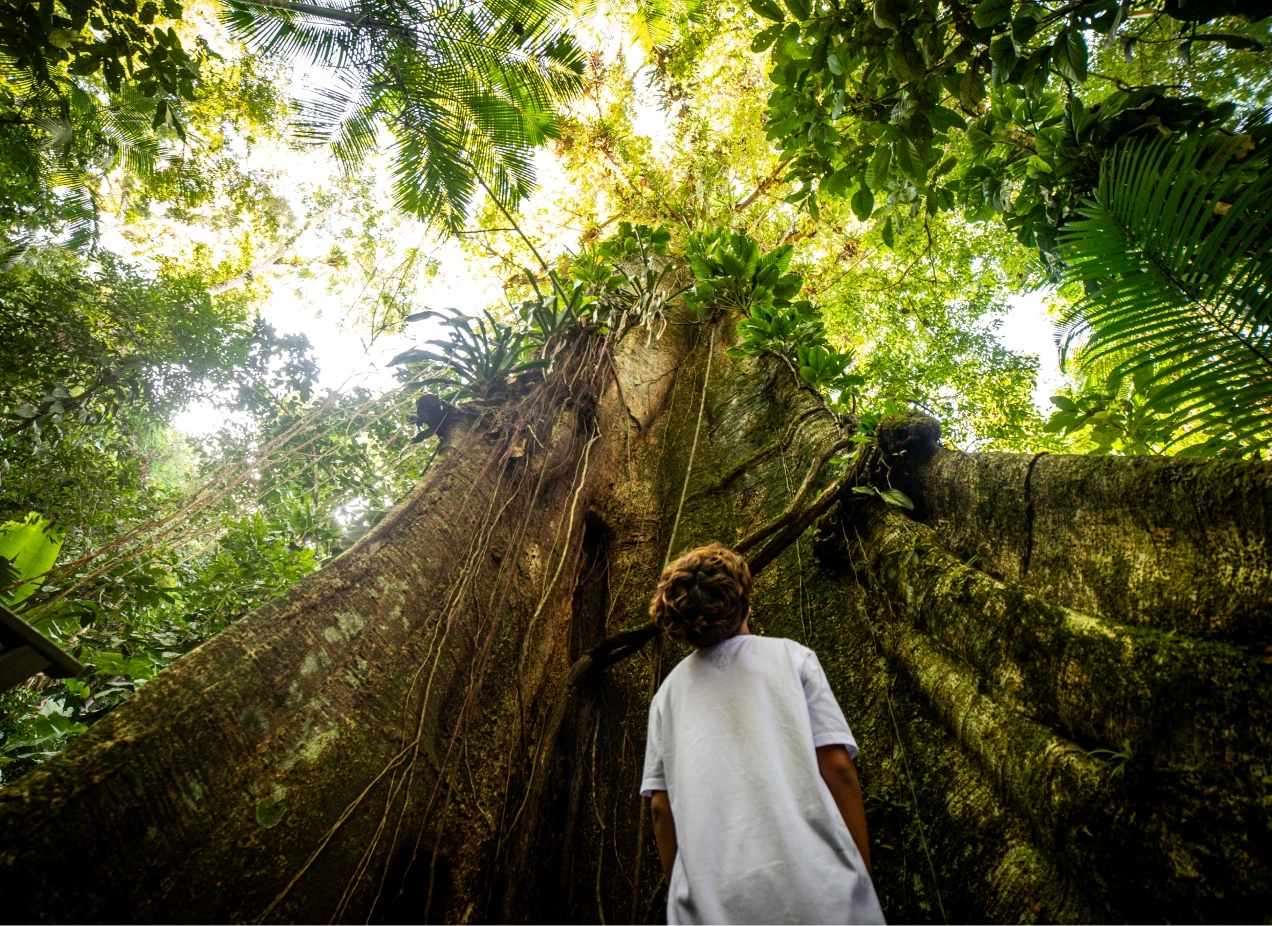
[[160, 541]]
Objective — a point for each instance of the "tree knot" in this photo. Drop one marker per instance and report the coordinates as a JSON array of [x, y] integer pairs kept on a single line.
[[911, 435]]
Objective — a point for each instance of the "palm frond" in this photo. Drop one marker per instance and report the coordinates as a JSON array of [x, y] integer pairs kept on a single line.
[[289, 33], [1175, 254], [343, 116], [468, 89]]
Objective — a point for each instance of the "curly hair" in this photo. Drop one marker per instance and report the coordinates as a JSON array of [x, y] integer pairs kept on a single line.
[[703, 597]]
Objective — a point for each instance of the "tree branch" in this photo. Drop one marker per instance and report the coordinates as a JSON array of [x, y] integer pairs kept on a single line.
[[764, 186], [274, 256], [792, 512], [795, 525]]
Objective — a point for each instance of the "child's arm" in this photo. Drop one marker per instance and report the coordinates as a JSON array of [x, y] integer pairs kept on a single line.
[[840, 775], [664, 829]]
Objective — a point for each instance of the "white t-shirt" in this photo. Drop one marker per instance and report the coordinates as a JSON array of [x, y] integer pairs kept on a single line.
[[732, 737]]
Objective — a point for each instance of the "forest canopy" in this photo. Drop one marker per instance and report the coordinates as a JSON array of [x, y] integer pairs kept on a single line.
[[872, 188]]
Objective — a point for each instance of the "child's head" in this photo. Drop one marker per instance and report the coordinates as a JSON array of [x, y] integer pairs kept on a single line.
[[703, 597]]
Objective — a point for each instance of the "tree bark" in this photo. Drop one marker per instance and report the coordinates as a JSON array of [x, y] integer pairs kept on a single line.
[[433, 727]]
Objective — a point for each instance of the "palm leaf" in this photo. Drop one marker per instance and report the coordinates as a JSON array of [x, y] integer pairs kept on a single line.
[[1174, 254], [290, 33], [467, 89]]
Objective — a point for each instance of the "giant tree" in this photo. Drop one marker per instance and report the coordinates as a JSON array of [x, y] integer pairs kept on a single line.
[[1053, 663]]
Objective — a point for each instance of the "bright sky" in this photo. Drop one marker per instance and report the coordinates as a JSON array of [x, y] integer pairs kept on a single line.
[[1027, 329], [344, 359]]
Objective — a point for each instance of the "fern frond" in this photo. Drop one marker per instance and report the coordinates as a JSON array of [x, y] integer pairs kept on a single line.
[[1175, 254]]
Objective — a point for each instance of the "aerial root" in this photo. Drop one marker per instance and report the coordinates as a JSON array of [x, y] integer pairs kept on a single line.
[[478, 667], [348, 812], [794, 512], [411, 749]]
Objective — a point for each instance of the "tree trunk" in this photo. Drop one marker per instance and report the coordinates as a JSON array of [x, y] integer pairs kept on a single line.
[[424, 729]]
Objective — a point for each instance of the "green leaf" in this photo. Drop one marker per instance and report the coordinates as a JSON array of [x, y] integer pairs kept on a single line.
[[1064, 403], [908, 161], [30, 547], [891, 496], [798, 8], [971, 88], [1234, 40], [863, 203], [1069, 52], [1025, 23], [897, 497], [1002, 55], [887, 233], [877, 171], [415, 355], [420, 316], [1158, 265], [768, 9], [766, 38], [837, 183], [887, 13], [84, 64], [1058, 422], [990, 13], [943, 119], [1037, 73]]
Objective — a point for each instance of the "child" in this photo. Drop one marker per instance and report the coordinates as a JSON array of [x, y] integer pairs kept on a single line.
[[748, 765]]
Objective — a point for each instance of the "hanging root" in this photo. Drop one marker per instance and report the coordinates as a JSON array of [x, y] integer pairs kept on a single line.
[[794, 524], [401, 769], [795, 514]]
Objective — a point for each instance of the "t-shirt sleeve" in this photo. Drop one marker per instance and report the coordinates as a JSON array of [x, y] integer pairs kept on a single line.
[[829, 725], [654, 777]]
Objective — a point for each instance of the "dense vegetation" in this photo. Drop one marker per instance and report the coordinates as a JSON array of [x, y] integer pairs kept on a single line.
[[870, 185]]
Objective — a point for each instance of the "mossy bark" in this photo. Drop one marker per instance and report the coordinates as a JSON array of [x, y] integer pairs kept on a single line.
[[402, 737], [1174, 828], [1173, 543]]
